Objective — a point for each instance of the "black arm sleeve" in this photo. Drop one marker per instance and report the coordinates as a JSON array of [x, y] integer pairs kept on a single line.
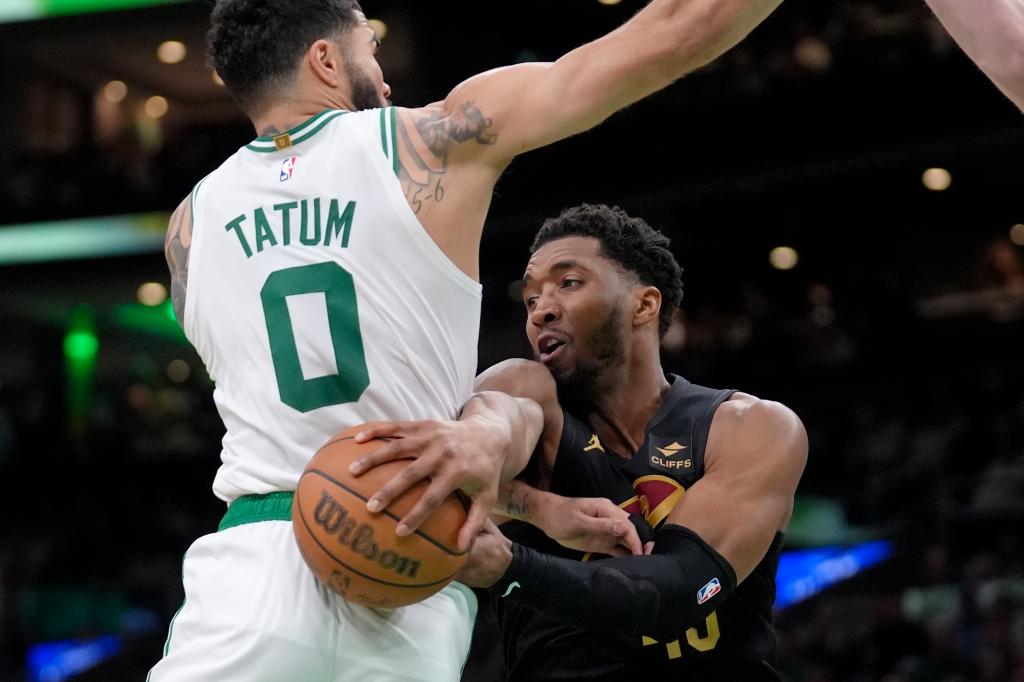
[[660, 595]]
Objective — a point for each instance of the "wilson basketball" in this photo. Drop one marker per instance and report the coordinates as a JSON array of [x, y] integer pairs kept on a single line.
[[356, 552]]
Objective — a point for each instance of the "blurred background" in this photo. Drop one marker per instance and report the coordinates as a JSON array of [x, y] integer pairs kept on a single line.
[[843, 190]]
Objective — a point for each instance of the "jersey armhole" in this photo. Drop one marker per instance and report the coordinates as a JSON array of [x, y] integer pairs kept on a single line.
[[572, 444], [193, 258], [388, 138]]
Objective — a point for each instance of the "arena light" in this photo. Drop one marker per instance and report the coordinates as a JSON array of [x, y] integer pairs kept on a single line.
[[804, 573], [115, 91], [59, 661], [783, 258], [84, 238], [937, 179], [609, 2], [24, 10], [156, 106], [156, 320], [152, 294], [1017, 234], [379, 27], [171, 52]]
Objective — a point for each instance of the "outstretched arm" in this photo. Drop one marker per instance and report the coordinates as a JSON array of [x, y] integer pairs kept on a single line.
[[711, 541], [532, 105], [991, 32]]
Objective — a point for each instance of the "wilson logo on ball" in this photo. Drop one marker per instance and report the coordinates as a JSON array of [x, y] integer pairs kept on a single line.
[[357, 537]]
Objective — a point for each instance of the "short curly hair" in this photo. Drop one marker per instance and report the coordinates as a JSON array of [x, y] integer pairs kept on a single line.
[[635, 246], [256, 45]]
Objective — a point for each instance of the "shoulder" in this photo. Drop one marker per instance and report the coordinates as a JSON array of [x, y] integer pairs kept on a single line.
[[751, 431], [529, 379], [523, 378]]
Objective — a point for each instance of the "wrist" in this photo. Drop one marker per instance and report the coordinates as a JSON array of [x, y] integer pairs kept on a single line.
[[519, 566], [542, 509]]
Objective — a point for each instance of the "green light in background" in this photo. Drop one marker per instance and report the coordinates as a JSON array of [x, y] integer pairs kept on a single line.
[[80, 346], [169, 309], [20, 10], [159, 320]]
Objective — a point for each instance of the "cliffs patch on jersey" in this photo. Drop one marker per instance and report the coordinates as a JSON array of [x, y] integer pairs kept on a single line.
[[670, 453]]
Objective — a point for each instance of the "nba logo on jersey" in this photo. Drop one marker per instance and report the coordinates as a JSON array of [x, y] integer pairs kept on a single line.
[[709, 591], [287, 168]]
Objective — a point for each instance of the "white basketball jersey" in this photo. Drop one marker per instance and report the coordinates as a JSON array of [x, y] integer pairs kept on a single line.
[[318, 301]]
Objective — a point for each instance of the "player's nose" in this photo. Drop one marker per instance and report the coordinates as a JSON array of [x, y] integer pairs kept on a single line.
[[544, 312]]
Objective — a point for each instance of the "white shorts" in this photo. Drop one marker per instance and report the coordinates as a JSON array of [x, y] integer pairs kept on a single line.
[[253, 612]]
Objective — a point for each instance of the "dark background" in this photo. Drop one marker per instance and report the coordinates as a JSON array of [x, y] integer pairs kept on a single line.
[[897, 337]]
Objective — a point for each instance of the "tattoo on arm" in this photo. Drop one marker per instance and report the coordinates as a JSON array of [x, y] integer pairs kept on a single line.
[[176, 249], [514, 500], [436, 133]]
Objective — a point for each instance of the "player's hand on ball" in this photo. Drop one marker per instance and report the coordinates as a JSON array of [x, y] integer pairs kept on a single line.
[[589, 524], [464, 455], [488, 559]]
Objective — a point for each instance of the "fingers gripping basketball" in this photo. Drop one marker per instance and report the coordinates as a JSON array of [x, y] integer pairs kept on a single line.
[[357, 553]]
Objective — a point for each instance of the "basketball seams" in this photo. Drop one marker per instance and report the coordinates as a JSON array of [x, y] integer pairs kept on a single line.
[[329, 553], [444, 548]]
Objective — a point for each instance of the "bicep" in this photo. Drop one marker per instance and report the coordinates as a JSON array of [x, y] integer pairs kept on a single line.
[[531, 105], [528, 379], [746, 495]]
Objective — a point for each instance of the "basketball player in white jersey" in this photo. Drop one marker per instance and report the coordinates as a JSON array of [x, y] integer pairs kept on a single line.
[[327, 274]]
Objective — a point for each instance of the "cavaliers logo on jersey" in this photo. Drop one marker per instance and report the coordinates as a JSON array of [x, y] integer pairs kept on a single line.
[[670, 454], [655, 497]]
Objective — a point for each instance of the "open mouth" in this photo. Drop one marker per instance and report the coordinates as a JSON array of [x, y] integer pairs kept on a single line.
[[549, 348]]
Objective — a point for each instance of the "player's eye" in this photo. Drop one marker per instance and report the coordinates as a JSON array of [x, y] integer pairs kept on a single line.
[[530, 302], [571, 283]]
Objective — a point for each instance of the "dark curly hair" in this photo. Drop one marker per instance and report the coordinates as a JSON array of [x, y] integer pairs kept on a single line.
[[257, 45], [634, 245]]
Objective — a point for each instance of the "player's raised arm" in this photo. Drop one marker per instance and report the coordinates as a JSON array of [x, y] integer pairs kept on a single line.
[[531, 105], [991, 32]]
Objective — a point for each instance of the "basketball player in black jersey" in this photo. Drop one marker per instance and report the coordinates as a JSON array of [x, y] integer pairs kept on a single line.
[[712, 471]]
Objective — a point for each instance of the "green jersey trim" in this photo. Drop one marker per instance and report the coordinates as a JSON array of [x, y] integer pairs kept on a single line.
[[388, 137], [268, 144]]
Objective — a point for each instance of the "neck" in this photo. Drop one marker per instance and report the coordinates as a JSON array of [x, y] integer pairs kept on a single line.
[[283, 115], [635, 392]]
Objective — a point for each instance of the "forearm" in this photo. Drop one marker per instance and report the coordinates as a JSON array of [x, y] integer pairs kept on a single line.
[[696, 32], [658, 595], [520, 501], [515, 421], [991, 32]]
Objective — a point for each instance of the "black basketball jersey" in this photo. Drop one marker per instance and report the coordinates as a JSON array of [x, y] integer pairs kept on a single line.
[[736, 642]]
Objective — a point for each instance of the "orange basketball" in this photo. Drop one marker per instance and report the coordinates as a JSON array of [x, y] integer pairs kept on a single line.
[[357, 553]]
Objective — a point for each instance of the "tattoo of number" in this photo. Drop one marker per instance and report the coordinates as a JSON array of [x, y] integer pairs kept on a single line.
[[427, 140]]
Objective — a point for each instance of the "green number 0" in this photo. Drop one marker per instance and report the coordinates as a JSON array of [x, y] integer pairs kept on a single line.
[[339, 291]]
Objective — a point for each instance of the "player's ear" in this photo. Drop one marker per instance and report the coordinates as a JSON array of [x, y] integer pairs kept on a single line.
[[325, 61], [646, 306]]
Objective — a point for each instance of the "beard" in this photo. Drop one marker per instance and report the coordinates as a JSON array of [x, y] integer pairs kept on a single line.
[[581, 387], [364, 93]]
